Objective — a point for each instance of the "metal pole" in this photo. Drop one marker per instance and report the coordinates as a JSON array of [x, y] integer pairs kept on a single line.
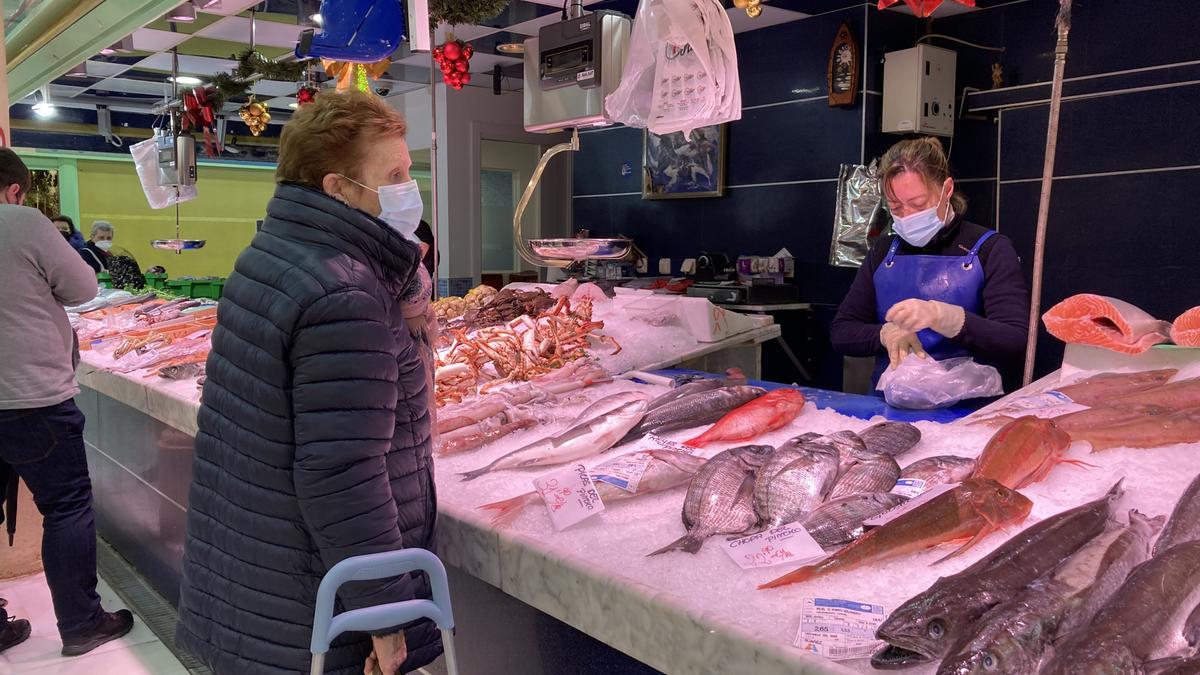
[[1039, 247], [433, 162]]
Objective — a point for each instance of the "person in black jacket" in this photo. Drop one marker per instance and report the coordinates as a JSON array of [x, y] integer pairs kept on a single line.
[[941, 287], [71, 233], [314, 435], [97, 251]]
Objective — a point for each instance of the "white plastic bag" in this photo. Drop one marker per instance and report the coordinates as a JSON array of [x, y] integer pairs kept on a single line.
[[145, 158], [681, 70], [924, 384]]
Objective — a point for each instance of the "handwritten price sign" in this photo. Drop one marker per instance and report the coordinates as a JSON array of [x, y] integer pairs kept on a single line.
[[786, 545], [570, 496]]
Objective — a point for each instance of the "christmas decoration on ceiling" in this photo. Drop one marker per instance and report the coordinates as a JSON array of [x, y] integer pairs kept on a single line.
[[307, 93], [198, 114], [753, 7], [468, 12], [923, 8], [227, 86], [356, 75], [454, 58], [255, 115]]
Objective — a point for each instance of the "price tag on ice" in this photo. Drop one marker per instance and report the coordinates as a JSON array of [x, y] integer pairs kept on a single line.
[[668, 444], [838, 629], [909, 487], [624, 472], [570, 496], [785, 545], [909, 505]]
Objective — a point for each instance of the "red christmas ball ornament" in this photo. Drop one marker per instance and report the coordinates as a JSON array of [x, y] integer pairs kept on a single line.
[[438, 53], [466, 78], [468, 51], [452, 50], [462, 66], [306, 94], [447, 67]]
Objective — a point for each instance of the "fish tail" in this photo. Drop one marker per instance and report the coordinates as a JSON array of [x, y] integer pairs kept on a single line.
[[508, 508], [1077, 462], [794, 577], [688, 543]]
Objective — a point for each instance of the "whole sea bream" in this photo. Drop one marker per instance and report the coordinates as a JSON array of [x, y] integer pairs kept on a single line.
[[891, 438], [720, 498], [927, 626], [694, 410], [840, 521], [1151, 616], [1014, 636], [939, 470], [793, 482], [1184, 523], [583, 440], [870, 472]]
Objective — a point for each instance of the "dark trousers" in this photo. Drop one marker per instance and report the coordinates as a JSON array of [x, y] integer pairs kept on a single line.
[[45, 447]]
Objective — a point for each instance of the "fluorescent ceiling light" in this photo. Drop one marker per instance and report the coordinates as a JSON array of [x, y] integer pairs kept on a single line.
[[294, 104], [186, 80], [44, 109], [184, 13]]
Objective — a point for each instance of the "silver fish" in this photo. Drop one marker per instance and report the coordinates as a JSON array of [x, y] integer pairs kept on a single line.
[[871, 472], [891, 438], [927, 626], [1153, 615], [693, 411], [1014, 636], [583, 440], [840, 521], [939, 470], [720, 499], [793, 482], [733, 377], [1184, 524], [665, 469], [609, 404], [849, 445]]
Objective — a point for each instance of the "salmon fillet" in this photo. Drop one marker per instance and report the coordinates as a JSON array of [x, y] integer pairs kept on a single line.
[[1101, 321], [1186, 329]]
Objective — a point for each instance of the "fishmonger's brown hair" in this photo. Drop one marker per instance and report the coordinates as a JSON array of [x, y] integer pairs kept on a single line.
[[333, 135], [924, 156]]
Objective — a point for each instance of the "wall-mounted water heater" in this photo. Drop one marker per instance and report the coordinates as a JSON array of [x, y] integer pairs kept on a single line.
[[570, 67], [918, 91]]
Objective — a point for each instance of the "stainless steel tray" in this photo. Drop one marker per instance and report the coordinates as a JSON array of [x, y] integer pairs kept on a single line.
[[581, 249], [179, 244]]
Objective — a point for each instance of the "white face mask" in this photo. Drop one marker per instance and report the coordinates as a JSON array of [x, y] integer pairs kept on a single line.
[[920, 228], [104, 245], [400, 206]]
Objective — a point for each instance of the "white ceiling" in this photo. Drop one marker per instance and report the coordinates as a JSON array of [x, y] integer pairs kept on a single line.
[[237, 29]]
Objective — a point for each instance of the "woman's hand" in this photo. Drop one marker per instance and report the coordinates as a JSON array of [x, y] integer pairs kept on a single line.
[[899, 342], [917, 315], [388, 654]]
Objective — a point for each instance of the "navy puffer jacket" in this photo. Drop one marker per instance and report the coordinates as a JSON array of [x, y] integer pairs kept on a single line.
[[313, 444]]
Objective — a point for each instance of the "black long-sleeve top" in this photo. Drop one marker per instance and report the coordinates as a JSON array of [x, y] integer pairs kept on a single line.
[[997, 336]]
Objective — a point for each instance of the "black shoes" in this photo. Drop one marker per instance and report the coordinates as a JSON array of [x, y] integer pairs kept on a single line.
[[112, 626], [13, 632]]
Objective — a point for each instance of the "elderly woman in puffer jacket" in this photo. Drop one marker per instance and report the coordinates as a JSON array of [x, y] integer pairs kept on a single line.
[[314, 432]]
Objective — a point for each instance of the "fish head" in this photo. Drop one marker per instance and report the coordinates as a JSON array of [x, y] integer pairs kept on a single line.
[[928, 626], [1105, 658], [1010, 639], [998, 505]]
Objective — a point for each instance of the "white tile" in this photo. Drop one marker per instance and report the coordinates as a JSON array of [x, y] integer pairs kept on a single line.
[[105, 69], [237, 29], [152, 40], [274, 88], [771, 16], [228, 7], [125, 86], [64, 91], [189, 65]]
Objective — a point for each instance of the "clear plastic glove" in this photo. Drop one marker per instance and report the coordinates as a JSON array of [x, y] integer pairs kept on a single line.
[[387, 654], [899, 342], [917, 315]]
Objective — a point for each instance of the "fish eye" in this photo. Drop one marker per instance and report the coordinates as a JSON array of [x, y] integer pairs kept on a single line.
[[990, 662], [936, 629], [1003, 492]]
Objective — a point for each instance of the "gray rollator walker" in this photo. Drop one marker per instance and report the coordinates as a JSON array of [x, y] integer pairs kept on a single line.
[[326, 626]]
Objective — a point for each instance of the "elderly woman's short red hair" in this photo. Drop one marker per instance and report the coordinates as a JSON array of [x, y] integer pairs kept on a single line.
[[334, 135]]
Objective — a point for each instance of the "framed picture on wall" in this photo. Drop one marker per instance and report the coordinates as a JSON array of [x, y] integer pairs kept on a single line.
[[675, 168]]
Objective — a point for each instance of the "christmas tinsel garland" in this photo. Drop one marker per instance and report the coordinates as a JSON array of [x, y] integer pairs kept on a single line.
[[250, 62], [460, 12]]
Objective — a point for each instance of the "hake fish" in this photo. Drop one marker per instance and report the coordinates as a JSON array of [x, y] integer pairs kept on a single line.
[[1151, 616], [939, 470], [870, 472], [927, 626], [840, 521], [891, 438], [733, 377], [720, 499], [583, 440], [1014, 636], [772, 411], [691, 411], [608, 404], [1184, 523], [973, 510], [793, 482], [1148, 432], [1023, 452], [664, 470]]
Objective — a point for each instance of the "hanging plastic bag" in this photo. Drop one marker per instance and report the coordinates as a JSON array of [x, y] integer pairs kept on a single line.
[[924, 384], [681, 69], [858, 219], [145, 159]]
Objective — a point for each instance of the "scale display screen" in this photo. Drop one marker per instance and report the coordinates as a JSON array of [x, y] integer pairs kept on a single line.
[[566, 61]]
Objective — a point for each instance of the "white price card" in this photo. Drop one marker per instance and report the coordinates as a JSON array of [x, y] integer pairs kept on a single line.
[[784, 545], [673, 445], [624, 472], [839, 629], [570, 495], [908, 487], [909, 505]]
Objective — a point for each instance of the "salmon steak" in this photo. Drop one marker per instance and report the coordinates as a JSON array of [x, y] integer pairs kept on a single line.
[[1101, 321], [1186, 329]]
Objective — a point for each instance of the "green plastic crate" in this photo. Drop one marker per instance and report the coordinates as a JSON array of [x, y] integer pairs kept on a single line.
[[210, 289], [105, 279], [156, 281]]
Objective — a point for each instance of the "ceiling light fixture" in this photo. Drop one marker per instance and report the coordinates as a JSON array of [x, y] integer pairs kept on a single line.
[[207, 4], [44, 107], [78, 71], [185, 13], [186, 80], [124, 46]]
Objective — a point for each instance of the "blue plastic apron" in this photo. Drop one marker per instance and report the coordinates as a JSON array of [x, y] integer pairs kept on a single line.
[[954, 280]]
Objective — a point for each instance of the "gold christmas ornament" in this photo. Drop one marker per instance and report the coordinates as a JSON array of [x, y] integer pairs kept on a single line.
[[754, 11], [741, 4], [255, 115]]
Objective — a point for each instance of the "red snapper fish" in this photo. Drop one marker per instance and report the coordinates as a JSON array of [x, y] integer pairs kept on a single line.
[[1024, 452], [767, 413]]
